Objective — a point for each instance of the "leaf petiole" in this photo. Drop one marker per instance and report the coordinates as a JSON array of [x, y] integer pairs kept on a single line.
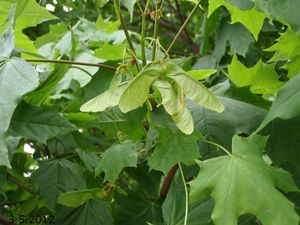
[[186, 195], [217, 145]]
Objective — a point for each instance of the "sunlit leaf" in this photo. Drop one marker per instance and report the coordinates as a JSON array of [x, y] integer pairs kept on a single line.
[[28, 14], [262, 78], [251, 19], [201, 74]]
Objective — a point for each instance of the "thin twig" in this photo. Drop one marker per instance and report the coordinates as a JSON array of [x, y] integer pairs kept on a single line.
[[70, 62], [182, 28], [83, 70], [217, 145]]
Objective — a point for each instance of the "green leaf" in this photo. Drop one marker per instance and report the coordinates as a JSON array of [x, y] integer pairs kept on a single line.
[[184, 62], [236, 35], [174, 103], [100, 32], [111, 52], [129, 4], [55, 177], [90, 159], [111, 97], [39, 124], [91, 213], [148, 181], [137, 208], [107, 25], [17, 78], [56, 32], [137, 91], [100, 82], [286, 10], [42, 94], [251, 19], [113, 122], [262, 78], [28, 14], [193, 89], [81, 74], [201, 74], [283, 147], [287, 48], [122, 155], [244, 5], [173, 147], [228, 90], [231, 179], [286, 104], [212, 125], [74, 199]]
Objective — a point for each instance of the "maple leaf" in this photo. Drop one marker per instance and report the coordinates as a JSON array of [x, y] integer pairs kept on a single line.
[[243, 183]]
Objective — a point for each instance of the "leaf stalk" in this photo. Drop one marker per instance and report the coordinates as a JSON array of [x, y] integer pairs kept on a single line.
[[143, 33], [186, 214], [69, 62], [157, 16], [217, 145]]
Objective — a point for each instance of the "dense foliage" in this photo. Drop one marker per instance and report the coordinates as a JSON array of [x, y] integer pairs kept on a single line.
[[150, 112]]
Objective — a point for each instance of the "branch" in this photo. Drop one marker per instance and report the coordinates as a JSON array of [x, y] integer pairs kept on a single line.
[[20, 185], [5, 221], [182, 28], [167, 182], [70, 62]]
